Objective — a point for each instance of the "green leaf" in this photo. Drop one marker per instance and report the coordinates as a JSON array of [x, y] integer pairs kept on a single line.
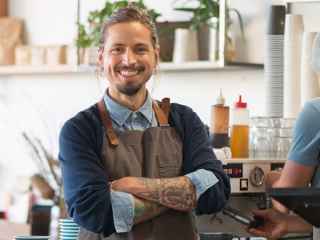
[[238, 14], [185, 9], [91, 36]]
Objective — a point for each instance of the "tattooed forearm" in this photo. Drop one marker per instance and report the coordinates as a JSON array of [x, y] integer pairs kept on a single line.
[[176, 193], [145, 210]]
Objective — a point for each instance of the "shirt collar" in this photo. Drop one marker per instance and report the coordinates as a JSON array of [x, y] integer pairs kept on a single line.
[[120, 113]]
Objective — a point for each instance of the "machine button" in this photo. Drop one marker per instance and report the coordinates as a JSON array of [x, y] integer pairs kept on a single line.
[[244, 184]]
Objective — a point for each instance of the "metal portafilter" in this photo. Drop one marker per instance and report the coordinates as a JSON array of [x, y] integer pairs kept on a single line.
[[237, 215]]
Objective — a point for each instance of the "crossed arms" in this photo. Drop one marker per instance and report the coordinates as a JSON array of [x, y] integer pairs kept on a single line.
[[154, 196]]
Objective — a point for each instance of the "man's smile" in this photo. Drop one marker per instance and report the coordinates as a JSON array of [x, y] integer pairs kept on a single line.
[[126, 72]]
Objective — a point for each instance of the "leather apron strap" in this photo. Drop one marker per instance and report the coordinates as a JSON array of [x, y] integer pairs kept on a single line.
[[107, 123], [162, 115], [162, 111], [165, 106]]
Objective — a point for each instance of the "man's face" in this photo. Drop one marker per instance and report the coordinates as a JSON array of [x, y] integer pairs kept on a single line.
[[128, 57]]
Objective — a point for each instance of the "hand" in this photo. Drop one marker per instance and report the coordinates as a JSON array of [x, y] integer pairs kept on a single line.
[[275, 226], [125, 184]]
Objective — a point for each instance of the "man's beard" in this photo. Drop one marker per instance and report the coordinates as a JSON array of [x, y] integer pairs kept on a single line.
[[130, 90], [133, 88]]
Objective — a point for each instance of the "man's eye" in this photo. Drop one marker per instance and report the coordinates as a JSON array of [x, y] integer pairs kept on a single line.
[[115, 50], [142, 50]]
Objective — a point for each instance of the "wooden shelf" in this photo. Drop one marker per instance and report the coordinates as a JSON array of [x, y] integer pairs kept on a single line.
[[164, 67], [206, 66], [301, 1], [189, 66], [171, 67], [28, 70]]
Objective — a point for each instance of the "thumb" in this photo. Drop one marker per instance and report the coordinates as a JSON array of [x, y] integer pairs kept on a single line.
[[260, 213]]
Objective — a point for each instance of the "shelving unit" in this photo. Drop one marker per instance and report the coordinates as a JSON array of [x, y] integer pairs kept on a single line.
[[166, 67], [199, 65]]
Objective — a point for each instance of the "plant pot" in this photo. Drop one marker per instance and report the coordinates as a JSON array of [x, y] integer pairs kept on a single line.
[[208, 41], [185, 46], [166, 38], [92, 55], [10, 36], [88, 56], [231, 52], [3, 8], [203, 42]]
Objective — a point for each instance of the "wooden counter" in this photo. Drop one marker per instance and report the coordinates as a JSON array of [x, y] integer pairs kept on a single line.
[[9, 230]]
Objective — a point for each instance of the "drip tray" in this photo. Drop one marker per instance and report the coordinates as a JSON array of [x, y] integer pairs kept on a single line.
[[217, 236], [225, 236]]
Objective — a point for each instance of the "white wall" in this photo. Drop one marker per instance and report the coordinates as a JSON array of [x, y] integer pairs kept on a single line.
[[42, 103]]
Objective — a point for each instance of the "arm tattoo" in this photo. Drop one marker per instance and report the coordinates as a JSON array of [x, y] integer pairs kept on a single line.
[[145, 210], [176, 193]]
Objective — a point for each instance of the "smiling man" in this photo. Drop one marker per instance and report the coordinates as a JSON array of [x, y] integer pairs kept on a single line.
[[135, 168]]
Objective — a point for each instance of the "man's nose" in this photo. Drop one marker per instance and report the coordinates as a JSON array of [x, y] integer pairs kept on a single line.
[[129, 57]]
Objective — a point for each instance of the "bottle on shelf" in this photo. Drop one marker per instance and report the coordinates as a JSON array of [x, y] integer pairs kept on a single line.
[[239, 140]]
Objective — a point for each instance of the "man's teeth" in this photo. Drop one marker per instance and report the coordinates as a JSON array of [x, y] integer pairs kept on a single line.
[[126, 73]]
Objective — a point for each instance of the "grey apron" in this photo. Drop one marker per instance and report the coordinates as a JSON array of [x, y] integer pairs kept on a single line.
[[153, 153], [316, 183]]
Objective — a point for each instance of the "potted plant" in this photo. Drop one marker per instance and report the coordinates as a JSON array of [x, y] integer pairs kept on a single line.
[[205, 16], [89, 35]]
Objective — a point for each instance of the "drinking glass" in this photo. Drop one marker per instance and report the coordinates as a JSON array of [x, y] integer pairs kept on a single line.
[[261, 145], [283, 146]]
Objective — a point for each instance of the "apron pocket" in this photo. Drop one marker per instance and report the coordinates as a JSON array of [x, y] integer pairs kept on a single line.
[[169, 170]]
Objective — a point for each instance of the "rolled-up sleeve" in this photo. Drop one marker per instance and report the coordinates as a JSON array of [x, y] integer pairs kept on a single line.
[[202, 180], [86, 189], [305, 147], [198, 154], [123, 211]]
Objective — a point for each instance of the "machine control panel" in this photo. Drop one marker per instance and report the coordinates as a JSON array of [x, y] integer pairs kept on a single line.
[[248, 175], [233, 170]]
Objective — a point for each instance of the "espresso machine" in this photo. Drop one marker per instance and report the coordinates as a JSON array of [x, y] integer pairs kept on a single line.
[[248, 187]]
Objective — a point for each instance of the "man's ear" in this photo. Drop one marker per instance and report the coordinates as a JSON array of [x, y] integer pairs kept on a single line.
[[157, 55], [100, 56]]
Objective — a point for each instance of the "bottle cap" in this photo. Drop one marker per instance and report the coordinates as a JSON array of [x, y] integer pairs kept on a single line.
[[240, 104], [220, 99]]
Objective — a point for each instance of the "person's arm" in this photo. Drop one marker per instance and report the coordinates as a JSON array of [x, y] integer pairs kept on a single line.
[[304, 153], [298, 172], [176, 193], [198, 154], [295, 175], [145, 210], [86, 190], [278, 224], [303, 156]]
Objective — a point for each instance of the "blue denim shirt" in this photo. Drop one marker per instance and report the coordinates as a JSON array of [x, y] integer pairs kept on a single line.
[[125, 119]]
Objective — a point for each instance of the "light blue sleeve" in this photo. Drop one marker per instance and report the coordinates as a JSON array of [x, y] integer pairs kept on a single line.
[[123, 211], [305, 147], [202, 180]]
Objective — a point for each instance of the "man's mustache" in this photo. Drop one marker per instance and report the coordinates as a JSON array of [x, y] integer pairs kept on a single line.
[[133, 67]]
